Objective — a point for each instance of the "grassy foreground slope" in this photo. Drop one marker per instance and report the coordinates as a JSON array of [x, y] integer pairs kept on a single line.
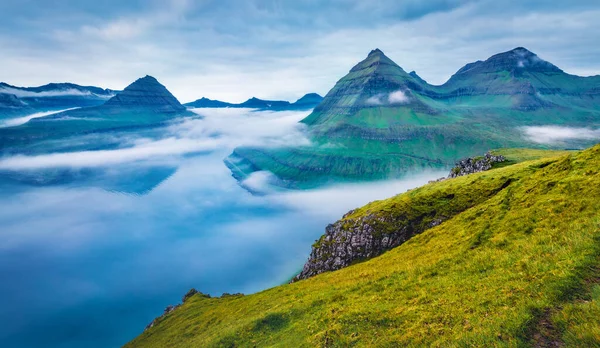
[[519, 269]]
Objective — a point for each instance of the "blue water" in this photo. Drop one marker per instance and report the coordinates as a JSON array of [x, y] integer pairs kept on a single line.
[[90, 258]]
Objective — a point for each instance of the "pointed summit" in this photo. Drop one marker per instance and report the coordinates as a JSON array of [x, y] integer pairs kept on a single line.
[[146, 93], [376, 51], [376, 60], [373, 83]]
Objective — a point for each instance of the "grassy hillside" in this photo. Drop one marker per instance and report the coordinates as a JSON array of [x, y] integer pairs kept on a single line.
[[521, 268]]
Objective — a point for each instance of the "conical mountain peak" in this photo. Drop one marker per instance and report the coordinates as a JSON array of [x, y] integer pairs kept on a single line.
[[376, 51], [146, 92], [374, 82], [375, 59]]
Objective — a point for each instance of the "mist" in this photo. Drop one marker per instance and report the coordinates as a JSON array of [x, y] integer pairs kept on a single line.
[[56, 93], [22, 120], [218, 129], [553, 135]]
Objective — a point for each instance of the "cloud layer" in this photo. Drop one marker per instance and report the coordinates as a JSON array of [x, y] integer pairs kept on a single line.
[[557, 135], [219, 129], [57, 93]]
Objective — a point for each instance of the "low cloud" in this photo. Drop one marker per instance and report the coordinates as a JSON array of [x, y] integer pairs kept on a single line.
[[219, 130], [394, 98], [398, 97], [22, 120], [57, 93], [556, 134], [375, 100], [160, 148]]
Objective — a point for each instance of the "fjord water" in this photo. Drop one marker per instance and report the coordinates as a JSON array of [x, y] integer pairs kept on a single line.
[[94, 244]]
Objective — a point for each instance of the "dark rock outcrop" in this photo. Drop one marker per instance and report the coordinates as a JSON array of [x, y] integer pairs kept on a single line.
[[167, 311], [475, 165], [189, 294], [352, 240]]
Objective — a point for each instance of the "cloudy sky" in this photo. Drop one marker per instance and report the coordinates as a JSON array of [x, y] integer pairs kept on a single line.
[[234, 49]]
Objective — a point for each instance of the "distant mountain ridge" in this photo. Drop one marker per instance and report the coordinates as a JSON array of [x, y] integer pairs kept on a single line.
[[53, 96], [63, 88], [144, 104], [380, 122], [307, 102]]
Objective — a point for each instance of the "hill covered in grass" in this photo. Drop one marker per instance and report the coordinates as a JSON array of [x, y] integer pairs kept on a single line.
[[515, 261], [380, 122]]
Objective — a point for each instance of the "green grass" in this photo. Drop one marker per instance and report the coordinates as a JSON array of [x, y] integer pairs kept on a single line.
[[486, 277]]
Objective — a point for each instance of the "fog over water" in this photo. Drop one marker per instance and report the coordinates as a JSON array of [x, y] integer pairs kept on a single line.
[[91, 261]]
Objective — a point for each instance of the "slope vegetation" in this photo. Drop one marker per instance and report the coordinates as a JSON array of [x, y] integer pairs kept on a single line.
[[517, 266]]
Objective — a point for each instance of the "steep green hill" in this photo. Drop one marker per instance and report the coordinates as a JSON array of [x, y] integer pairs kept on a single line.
[[515, 262], [381, 122]]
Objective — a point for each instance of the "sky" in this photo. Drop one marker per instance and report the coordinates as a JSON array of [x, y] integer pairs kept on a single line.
[[274, 49]]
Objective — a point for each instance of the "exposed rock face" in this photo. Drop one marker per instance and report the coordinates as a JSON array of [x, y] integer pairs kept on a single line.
[[351, 240], [475, 165], [168, 310], [146, 93]]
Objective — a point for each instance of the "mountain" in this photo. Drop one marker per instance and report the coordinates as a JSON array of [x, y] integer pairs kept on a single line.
[[417, 78], [11, 105], [146, 93], [57, 96], [508, 257], [307, 102], [379, 122], [144, 104], [375, 82], [209, 103]]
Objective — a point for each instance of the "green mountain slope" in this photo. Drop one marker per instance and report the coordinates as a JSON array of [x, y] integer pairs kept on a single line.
[[380, 109], [516, 267]]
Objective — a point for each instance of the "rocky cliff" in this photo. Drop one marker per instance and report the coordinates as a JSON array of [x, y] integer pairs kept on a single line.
[[366, 233], [475, 164]]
